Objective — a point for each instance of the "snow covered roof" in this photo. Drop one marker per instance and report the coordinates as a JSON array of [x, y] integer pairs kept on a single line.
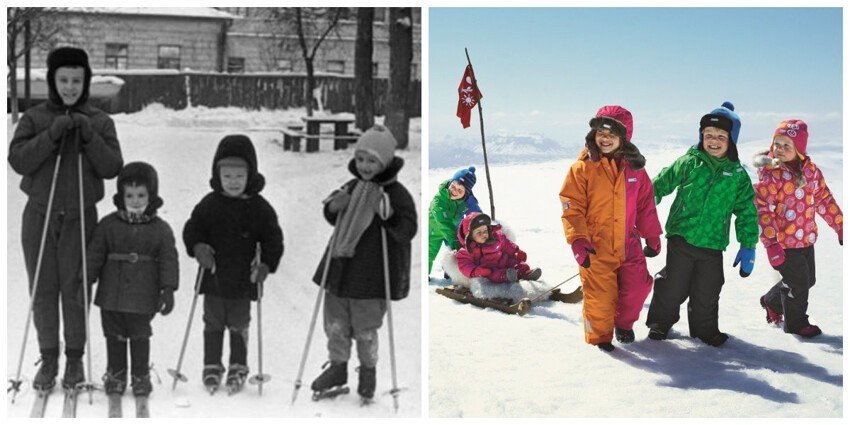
[[189, 12]]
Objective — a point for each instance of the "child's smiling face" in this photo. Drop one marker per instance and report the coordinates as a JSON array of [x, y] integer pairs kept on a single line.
[[607, 140], [456, 190], [480, 234], [135, 197], [367, 165], [233, 180], [715, 141], [69, 83]]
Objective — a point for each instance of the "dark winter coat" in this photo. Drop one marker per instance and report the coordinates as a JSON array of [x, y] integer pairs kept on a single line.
[[362, 276], [124, 285], [233, 226], [33, 155]]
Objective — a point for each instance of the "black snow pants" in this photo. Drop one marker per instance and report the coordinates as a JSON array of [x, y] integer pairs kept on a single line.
[[791, 294], [692, 273]]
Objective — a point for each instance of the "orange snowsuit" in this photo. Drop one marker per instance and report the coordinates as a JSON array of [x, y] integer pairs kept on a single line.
[[611, 206]]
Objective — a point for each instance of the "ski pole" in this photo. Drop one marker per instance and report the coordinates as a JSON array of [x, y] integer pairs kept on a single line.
[[260, 377], [316, 307], [175, 373], [89, 384], [384, 216], [15, 384]]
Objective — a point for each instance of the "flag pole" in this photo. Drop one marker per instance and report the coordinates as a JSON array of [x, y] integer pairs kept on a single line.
[[483, 145]]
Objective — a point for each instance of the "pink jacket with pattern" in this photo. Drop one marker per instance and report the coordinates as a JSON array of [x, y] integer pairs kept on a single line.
[[495, 254], [787, 205]]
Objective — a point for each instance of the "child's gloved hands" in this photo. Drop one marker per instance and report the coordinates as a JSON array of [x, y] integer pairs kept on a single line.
[[581, 251], [338, 200], [84, 123], [384, 203], [775, 255], [205, 255], [259, 273], [747, 258], [653, 247], [166, 300], [520, 255], [60, 125], [481, 272]]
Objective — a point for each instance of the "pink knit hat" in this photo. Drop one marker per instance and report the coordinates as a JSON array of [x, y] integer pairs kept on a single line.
[[797, 131]]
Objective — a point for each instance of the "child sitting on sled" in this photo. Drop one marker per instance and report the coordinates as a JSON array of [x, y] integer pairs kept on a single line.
[[487, 252]]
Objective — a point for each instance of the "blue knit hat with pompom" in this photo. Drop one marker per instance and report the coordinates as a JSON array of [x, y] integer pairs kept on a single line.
[[723, 118], [466, 177]]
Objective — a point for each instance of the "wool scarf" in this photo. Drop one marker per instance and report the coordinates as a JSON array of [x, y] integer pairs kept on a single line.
[[356, 217]]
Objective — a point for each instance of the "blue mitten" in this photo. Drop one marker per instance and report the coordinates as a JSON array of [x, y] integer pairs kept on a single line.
[[747, 258]]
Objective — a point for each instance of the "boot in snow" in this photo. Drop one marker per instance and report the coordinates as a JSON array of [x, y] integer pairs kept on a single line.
[[716, 340], [657, 334], [212, 376], [332, 382], [772, 315], [236, 376], [115, 383], [366, 381], [624, 335], [45, 378], [534, 274], [605, 346], [74, 374], [142, 385], [809, 331]]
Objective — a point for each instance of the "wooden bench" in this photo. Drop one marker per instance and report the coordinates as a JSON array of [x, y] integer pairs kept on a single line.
[[292, 140]]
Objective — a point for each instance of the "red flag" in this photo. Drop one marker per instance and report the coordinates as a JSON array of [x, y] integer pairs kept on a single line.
[[468, 95]]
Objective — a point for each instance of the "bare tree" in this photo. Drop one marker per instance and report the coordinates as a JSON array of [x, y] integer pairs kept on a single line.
[[364, 97], [401, 54], [312, 26], [43, 31]]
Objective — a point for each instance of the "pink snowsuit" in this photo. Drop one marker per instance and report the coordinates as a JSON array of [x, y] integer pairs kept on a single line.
[[497, 254]]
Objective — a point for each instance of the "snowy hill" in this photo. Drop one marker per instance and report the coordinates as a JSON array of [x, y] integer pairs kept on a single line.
[[181, 144], [502, 148], [539, 365]]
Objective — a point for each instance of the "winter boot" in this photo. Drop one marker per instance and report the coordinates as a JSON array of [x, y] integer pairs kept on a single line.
[[511, 275], [772, 315], [212, 376], [115, 383], [605, 346], [624, 335], [366, 381], [333, 375], [715, 340], [809, 331], [236, 376], [74, 373], [45, 378], [534, 274], [142, 385], [655, 333]]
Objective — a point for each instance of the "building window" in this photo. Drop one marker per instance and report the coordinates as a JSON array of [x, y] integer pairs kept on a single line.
[[374, 69], [169, 57], [235, 65], [284, 65], [380, 15], [116, 56], [335, 67]]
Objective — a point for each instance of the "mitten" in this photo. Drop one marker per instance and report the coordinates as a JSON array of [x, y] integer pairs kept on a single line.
[[338, 201], [581, 251], [747, 258], [653, 247], [60, 125], [775, 255], [205, 255], [260, 273], [84, 123], [166, 300]]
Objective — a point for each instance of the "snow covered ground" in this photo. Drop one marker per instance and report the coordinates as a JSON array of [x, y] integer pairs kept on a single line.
[[181, 144], [540, 366]]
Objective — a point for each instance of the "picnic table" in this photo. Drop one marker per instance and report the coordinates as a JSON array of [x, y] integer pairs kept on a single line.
[[341, 136]]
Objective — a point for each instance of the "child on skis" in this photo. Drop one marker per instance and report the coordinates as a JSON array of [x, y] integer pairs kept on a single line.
[[64, 126], [222, 235], [790, 190], [453, 201], [608, 207], [711, 186], [487, 252], [133, 256], [355, 299]]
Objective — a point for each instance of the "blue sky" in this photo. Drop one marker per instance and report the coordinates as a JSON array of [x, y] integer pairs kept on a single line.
[[548, 70]]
